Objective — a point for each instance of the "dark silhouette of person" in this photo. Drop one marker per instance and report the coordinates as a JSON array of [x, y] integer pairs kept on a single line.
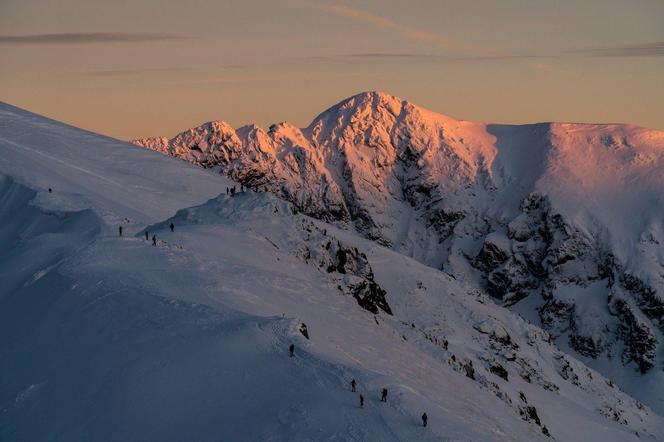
[[361, 401], [425, 419], [154, 240], [147, 237], [383, 395], [227, 190], [352, 385], [120, 230], [172, 227], [50, 190], [291, 350], [445, 344]]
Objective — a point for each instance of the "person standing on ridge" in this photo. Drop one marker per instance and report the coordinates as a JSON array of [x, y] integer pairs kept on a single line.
[[291, 350], [120, 230], [172, 227], [352, 385], [154, 240], [147, 237], [425, 419], [383, 395]]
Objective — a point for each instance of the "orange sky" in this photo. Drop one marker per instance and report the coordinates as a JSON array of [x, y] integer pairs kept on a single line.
[[143, 68]]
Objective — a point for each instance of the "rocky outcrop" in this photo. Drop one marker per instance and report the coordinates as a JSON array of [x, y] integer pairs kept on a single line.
[[354, 274]]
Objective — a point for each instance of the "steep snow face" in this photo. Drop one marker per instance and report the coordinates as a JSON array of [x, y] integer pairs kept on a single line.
[[563, 222]]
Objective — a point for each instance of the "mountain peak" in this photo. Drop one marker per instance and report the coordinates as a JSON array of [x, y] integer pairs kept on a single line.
[[374, 100]]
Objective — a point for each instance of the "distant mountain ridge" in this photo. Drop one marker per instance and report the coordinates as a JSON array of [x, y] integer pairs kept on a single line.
[[562, 222]]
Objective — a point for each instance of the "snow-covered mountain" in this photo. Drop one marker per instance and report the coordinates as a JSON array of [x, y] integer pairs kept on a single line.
[[108, 337], [562, 222]]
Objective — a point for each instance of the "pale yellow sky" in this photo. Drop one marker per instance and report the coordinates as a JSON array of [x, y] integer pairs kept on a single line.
[[143, 68]]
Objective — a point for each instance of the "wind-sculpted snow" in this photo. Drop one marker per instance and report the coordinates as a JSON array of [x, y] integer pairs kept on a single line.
[[186, 337], [348, 267], [563, 222]]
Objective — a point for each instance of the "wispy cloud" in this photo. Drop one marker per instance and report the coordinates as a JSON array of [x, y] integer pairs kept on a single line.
[[655, 49], [134, 71], [86, 38], [409, 32], [124, 72], [442, 57]]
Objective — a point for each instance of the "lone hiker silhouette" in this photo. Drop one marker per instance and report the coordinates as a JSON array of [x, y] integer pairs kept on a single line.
[[120, 230], [154, 240], [291, 350], [425, 419], [172, 227], [383, 395], [361, 401], [352, 385]]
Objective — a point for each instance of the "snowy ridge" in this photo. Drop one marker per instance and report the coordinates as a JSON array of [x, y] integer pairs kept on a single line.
[[563, 222], [112, 338]]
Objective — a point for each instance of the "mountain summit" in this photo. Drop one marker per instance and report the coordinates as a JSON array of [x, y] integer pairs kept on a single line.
[[560, 222]]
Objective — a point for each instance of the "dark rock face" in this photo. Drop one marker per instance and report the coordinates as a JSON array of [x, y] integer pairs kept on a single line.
[[370, 296], [646, 297], [541, 255], [640, 341], [490, 257], [443, 222], [499, 370], [529, 413], [356, 277]]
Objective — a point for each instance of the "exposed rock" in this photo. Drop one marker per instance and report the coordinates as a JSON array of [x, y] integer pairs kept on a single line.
[[499, 370]]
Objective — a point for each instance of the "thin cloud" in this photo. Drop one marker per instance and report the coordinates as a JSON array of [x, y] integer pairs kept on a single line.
[[419, 55], [157, 70], [655, 49], [409, 32], [86, 38]]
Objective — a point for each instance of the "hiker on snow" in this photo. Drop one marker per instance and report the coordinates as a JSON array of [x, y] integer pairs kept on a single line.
[[291, 350], [425, 418], [154, 240], [172, 227], [361, 401], [120, 230], [383, 395], [147, 237], [352, 385]]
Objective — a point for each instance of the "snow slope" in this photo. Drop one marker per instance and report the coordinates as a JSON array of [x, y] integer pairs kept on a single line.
[[561, 222], [110, 338]]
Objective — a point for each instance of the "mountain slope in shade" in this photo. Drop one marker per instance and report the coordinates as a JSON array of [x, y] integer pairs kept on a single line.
[[562, 222], [107, 337]]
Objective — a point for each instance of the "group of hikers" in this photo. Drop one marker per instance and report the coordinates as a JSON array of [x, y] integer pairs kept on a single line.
[[232, 190], [353, 388], [147, 234], [303, 327]]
